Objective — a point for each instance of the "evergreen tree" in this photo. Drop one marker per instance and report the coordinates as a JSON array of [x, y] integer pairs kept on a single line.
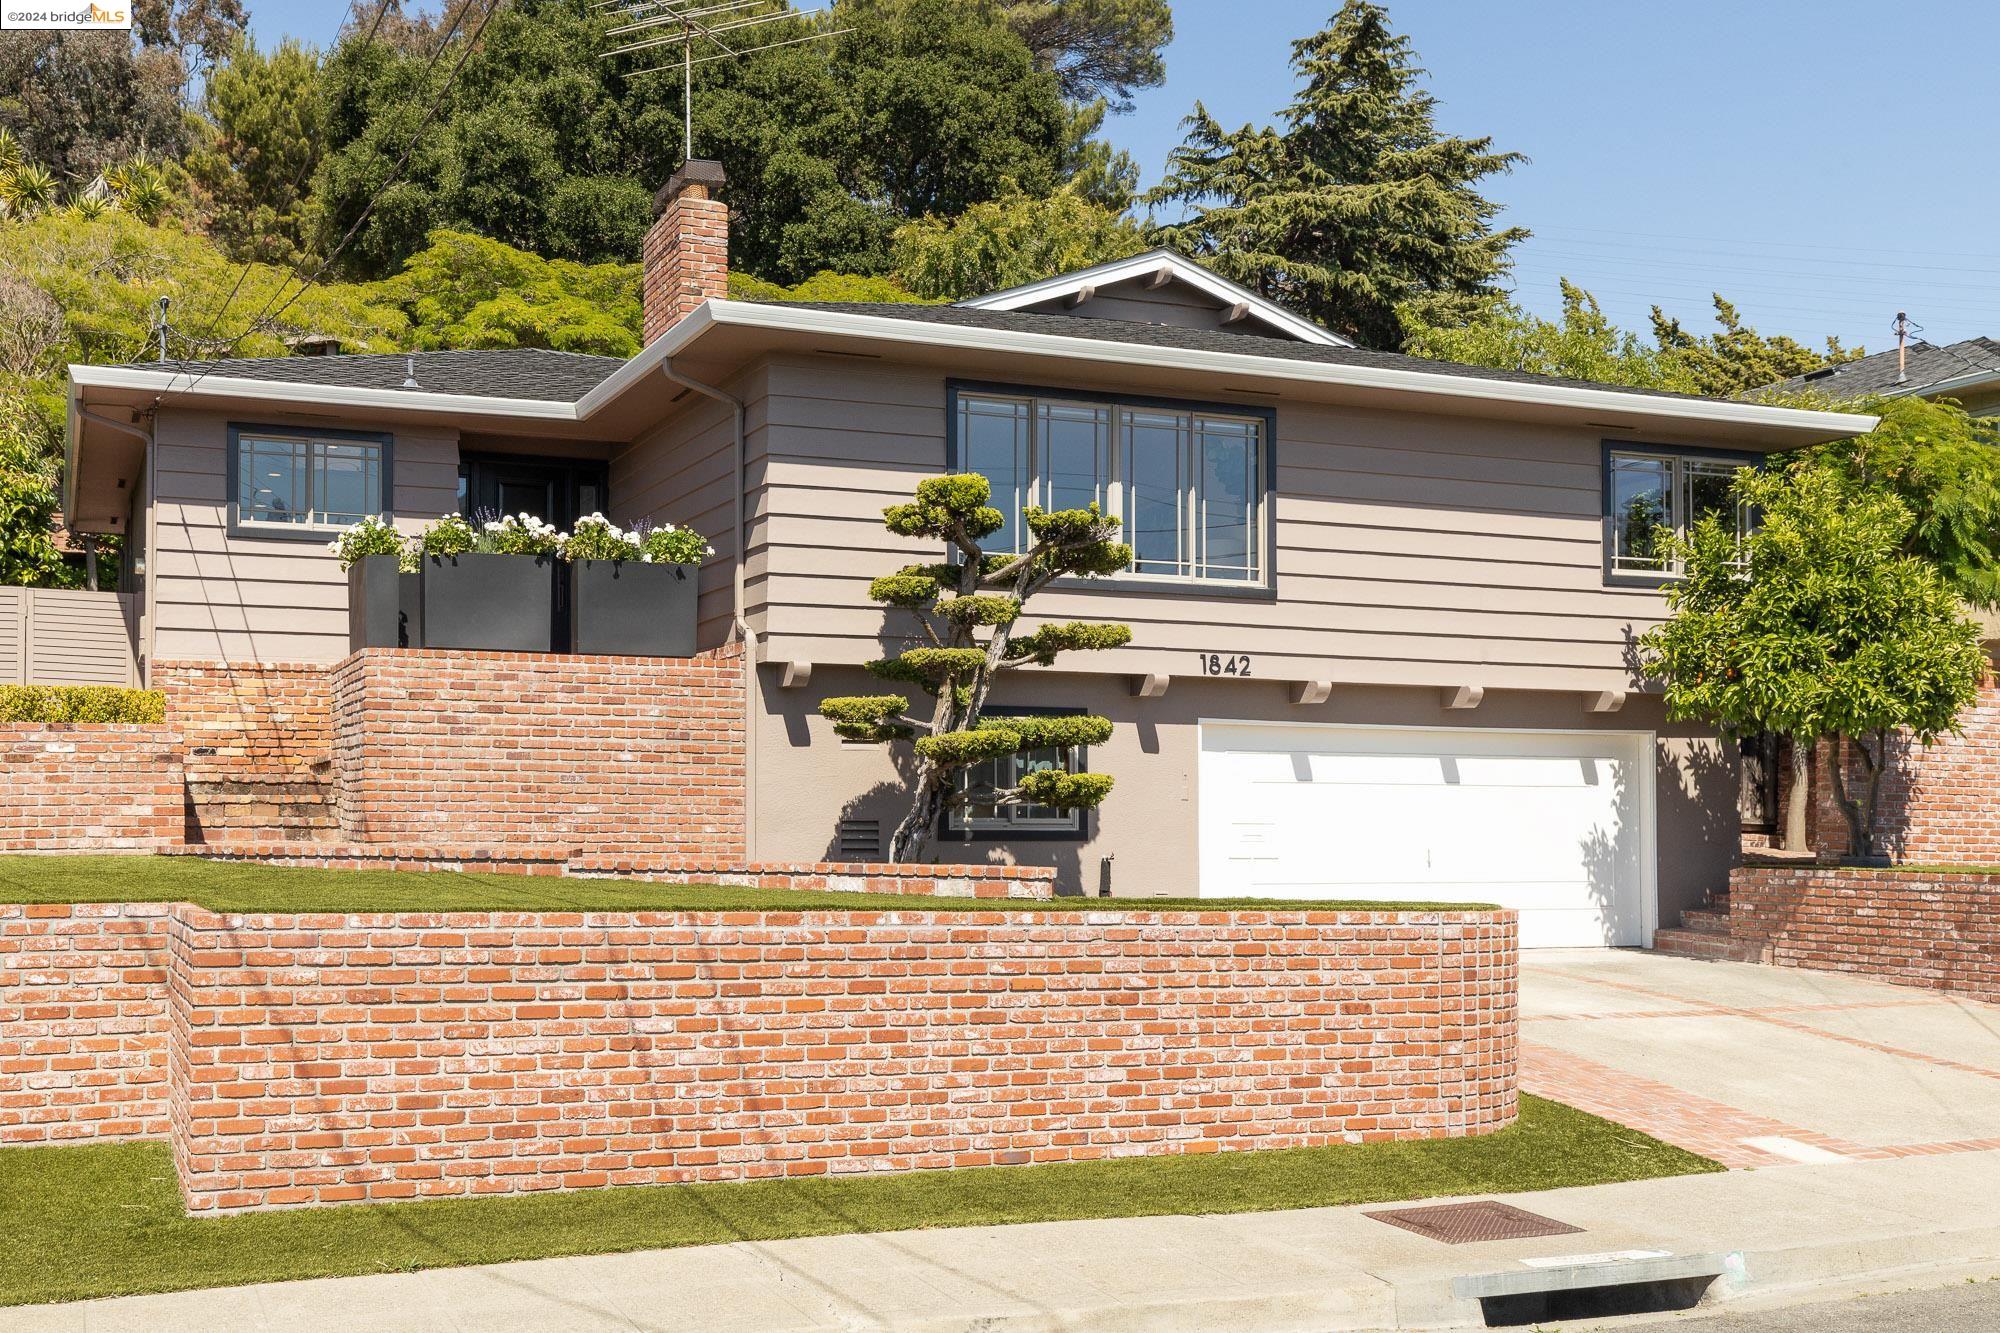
[[1358, 204], [1736, 358], [259, 145], [1010, 241]]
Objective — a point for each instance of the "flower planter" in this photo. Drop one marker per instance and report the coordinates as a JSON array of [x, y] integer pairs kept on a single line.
[[630, 608], [502, 603], [384, 605]]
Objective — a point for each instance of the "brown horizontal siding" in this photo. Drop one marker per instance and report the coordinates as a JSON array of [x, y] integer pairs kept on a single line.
[[1408, 548]]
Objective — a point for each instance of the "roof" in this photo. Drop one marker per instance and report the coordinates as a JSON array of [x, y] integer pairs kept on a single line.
[[512, 372], [1157, 267], [1206, 340], [1928, 367]]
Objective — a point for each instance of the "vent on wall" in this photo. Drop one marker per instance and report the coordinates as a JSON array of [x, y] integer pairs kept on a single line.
[[861, 839]]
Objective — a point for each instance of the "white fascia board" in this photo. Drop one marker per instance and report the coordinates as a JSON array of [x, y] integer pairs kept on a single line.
[[1138, 266], [292, 392], [883, 328]]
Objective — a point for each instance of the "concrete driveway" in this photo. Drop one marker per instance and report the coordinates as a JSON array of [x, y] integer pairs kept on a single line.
[[1760, 1066]]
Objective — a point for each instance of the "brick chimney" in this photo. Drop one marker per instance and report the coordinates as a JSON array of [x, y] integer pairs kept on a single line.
[[686, 252]]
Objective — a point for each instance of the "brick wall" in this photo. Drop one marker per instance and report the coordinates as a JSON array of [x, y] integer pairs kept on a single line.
[[89, 787], [1937, 804], [608, 754], [326, 1059], [1914, 928], [83, 1022], [932, 881]]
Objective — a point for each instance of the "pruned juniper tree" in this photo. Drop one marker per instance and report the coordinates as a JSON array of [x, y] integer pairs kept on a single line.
[[966, 609]]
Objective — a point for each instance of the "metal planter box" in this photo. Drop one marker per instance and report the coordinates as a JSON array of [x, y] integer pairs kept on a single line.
[[384, 605], [503, 603], [629, 608]]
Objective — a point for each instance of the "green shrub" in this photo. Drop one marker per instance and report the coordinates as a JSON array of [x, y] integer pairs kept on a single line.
[[80, 703]]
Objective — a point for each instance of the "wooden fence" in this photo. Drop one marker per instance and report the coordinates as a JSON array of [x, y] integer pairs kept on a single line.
[[55, 636]]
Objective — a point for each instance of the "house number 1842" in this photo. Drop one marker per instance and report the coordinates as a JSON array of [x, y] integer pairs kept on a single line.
[[1224, 664]]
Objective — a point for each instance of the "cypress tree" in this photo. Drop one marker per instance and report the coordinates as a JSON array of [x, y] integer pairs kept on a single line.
[[1356, 205]]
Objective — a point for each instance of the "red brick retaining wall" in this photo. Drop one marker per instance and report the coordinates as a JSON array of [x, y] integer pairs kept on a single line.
[[325, 1059], [934, 881], [83, 1022], [609, 754], [262, 719], [89, 787], [1937, 803], [1938, 930]]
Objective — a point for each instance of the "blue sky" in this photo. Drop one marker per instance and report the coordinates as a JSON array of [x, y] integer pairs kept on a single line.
[[1822, 164]]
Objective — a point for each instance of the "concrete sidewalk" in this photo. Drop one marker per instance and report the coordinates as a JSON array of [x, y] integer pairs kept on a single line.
[[1318, 1269]]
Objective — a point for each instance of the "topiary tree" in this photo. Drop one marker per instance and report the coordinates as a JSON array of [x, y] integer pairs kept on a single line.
[[1817, 625], [966, 610]]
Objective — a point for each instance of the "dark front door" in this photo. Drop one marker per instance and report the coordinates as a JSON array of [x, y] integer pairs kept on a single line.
[[554, 490]]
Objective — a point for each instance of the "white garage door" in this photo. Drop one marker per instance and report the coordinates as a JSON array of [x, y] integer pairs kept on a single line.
[[1555, 824]]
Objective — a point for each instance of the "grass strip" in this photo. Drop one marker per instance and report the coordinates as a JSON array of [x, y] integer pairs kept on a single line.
[[226, 886], [106, 1220]]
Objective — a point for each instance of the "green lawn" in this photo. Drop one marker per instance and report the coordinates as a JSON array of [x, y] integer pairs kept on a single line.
[[106, 1220], [240, 887]]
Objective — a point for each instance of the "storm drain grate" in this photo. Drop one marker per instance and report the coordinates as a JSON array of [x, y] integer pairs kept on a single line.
[[1463, 1223]]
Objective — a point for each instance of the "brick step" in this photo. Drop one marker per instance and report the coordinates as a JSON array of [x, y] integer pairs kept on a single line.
[[238, 790], [1704, 944], [1706, 920]]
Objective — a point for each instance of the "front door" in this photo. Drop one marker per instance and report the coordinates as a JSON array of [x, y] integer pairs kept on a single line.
[[557, 491]]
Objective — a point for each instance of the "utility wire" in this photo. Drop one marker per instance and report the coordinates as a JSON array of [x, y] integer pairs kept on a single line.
[[268, 314], [208, 339]]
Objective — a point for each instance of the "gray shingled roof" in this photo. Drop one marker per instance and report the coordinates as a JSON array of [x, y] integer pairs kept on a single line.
[[1201, 340], [1928, 364], [565, 377], [513, 372]]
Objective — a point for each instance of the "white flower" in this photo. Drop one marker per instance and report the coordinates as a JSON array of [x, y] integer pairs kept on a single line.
[[647, 557]]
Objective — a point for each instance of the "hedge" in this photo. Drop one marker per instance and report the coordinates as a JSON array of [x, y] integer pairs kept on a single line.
[[80, 703]]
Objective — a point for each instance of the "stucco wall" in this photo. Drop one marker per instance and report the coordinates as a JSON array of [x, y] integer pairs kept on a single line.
[[808, 779]]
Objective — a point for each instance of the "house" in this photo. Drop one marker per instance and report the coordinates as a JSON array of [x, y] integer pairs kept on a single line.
[[1383, 609], [1967, 372]]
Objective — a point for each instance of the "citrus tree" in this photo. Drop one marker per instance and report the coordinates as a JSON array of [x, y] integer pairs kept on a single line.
[[966, 610], [1816, 625]]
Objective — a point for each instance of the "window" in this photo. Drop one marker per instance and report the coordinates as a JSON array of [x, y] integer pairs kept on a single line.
[[307, 481], [1189, 483], [1004, 773], [1647, 492]]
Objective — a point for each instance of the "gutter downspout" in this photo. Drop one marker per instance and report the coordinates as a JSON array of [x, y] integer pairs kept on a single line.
[[145, 645], [739, 617]]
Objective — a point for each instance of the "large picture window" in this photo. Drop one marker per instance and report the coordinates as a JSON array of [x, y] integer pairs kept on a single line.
[[1649, 493], [292, 481], [1189, 483]]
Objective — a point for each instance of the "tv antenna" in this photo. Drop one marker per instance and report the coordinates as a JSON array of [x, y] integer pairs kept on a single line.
[[662, 25]]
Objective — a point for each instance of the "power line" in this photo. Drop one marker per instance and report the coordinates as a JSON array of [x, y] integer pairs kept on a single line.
[[395, 174], [1747, 240], [381, 12]]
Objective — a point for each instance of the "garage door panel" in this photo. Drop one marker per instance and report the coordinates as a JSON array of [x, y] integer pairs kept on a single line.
[[1551, 824]]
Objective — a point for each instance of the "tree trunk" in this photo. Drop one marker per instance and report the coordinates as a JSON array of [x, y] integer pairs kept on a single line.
[[1798, 799], [913, 836], [1860, 815]]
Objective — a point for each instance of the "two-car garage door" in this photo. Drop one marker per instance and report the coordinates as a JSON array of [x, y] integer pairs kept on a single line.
[[1555, 824]]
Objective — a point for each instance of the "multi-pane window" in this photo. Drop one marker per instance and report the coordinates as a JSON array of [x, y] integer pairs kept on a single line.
[[1653, 494], [1189, 484], [983, 780], [304, 480]]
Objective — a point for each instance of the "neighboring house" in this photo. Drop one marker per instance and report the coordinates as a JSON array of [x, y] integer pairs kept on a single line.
[[1383, 609], [1967, 372]]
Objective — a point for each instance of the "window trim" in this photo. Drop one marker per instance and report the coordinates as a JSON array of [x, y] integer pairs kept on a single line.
[[1082, 831], [1613, 576], [252, 529], [1264, 588]]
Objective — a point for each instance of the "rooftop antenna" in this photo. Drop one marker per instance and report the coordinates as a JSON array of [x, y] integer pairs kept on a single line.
[[160, 325], [1902, 328], [687, 24]]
